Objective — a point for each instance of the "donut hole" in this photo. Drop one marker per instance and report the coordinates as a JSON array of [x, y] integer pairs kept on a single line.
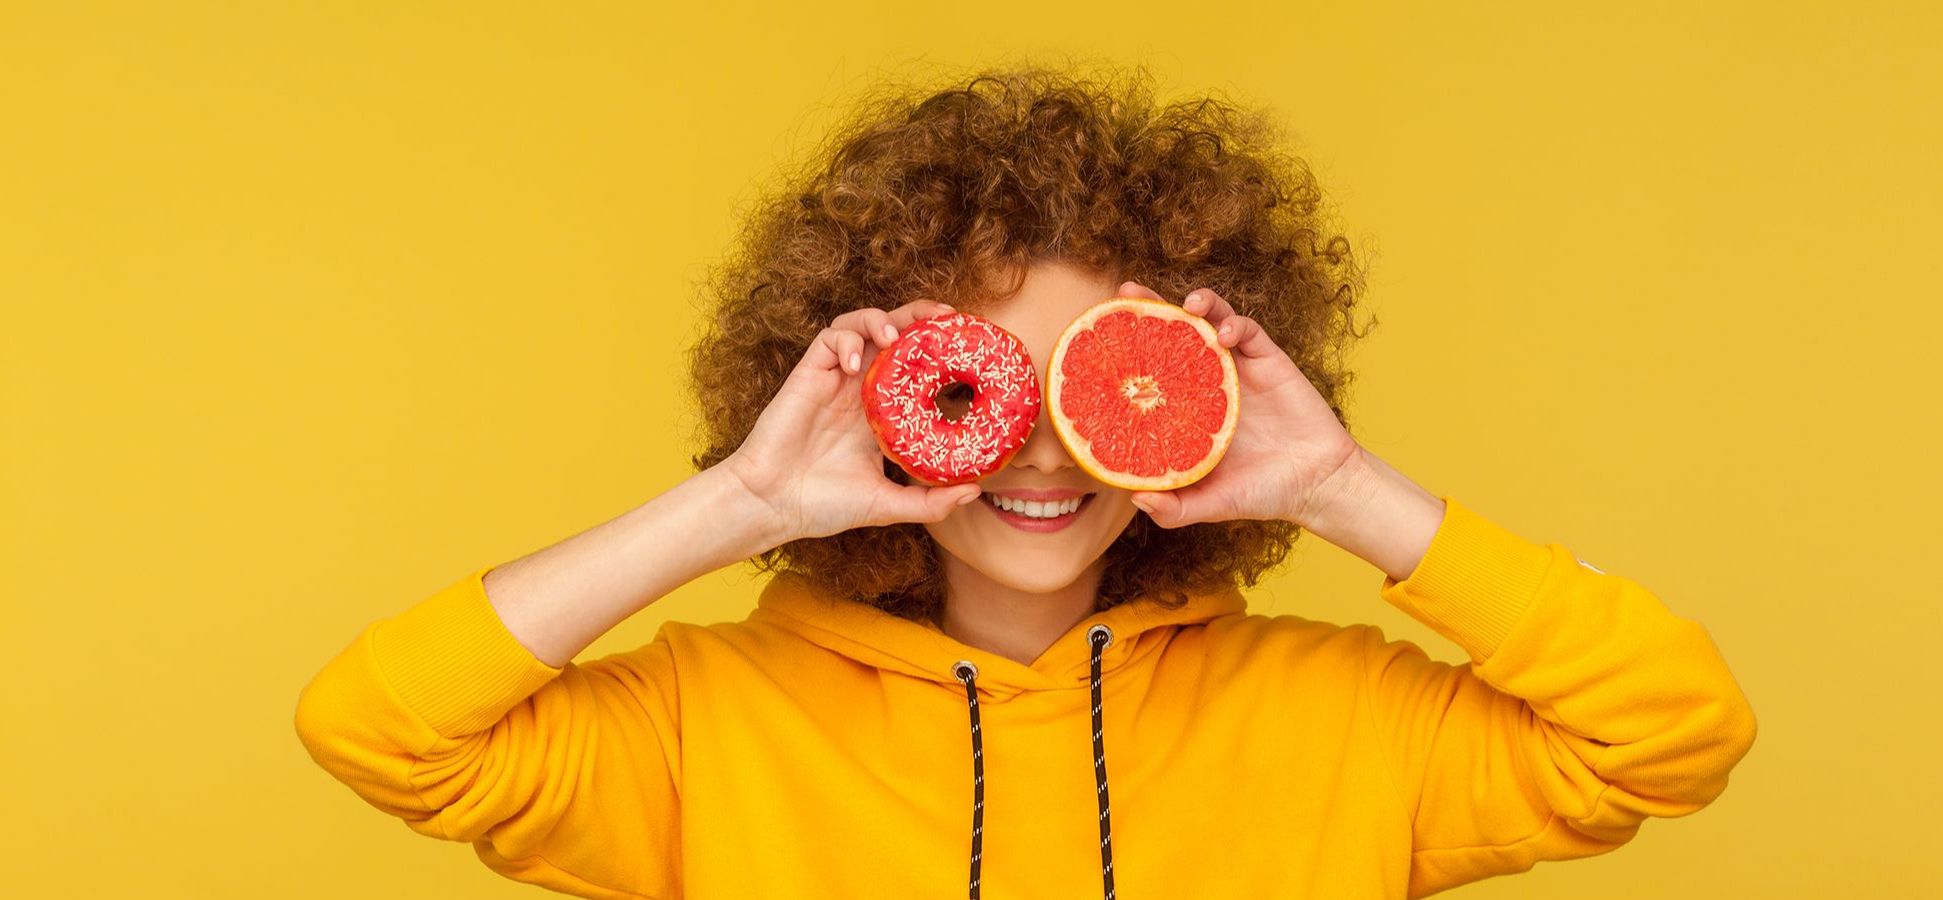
[[954, 400]]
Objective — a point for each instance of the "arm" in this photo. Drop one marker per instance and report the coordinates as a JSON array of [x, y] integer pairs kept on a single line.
[[1587, 707], [557, 600], [463, 716]]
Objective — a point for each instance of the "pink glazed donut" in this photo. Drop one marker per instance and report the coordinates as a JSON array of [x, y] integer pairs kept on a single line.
[[950, 355]]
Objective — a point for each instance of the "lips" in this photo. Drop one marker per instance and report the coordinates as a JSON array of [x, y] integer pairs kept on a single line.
[[1037, 525], [1040, 494]]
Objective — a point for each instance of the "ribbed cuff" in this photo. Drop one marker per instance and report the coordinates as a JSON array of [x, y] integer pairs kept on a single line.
[[452, 661], [1474, 582]]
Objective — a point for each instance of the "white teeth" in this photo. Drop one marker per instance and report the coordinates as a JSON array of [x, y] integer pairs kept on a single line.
[[1038, 509]]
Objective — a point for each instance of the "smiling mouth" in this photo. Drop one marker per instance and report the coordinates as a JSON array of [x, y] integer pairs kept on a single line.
[[1038, 511]]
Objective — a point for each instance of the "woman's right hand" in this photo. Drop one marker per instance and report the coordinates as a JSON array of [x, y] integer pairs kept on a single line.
[[811, 457]]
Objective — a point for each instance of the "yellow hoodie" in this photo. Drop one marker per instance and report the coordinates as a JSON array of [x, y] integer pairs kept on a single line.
[[821, 748]]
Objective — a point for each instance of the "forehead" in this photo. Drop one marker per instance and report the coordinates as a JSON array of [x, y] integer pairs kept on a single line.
[[1052, 295]]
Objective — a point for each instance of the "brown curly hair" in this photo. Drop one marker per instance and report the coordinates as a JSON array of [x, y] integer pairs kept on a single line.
[[951, 193]]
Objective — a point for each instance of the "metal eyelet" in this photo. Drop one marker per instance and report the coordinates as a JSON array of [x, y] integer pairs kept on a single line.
[[1100, 629], [964, 670]]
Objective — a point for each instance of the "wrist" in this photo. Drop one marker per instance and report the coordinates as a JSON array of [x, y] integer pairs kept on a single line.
[[1346, 487], [1378, 514], [760, 525]]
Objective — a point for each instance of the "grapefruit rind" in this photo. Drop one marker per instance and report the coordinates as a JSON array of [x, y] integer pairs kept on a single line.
[[1077, 446]]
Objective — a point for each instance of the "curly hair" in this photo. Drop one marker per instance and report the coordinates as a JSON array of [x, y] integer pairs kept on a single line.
[[951, 193]]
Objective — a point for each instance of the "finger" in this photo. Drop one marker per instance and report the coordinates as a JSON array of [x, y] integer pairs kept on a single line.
[[1173, 509], [877, 325], [918, 503], [1246, 337], [918, 310], [1136, 289], [869, 322], [1208, 305], [821, 353], [845, 348]]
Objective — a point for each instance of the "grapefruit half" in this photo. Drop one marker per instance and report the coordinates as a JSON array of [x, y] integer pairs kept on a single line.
[[1142, 394]]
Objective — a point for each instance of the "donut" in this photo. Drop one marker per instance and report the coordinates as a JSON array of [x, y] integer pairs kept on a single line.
[[949, 356]]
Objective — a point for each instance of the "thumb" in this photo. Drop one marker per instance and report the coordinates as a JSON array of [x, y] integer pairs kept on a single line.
[[1172, 509], [919, 503]]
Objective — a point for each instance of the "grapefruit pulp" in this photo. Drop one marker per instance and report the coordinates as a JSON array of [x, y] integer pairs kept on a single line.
[[1142, 394]]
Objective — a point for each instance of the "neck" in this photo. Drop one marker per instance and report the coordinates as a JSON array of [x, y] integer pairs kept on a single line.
[[1013, 623]]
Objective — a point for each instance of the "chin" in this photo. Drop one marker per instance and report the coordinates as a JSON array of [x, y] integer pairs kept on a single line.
[[1037, 582], [1039, 569]]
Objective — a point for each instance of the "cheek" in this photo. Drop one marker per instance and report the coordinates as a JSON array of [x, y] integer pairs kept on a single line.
[[1117, 505], [953, 534]]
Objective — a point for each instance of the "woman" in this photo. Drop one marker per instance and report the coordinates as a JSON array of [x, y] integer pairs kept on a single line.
[[925, 687]]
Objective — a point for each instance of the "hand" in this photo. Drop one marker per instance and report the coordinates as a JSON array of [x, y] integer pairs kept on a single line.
[[1286, 444], [811, 458]]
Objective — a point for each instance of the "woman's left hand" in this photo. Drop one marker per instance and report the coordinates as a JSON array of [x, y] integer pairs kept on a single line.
[[1286, 444]]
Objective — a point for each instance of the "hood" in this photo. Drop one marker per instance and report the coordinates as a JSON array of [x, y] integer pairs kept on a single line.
[[1088, 652], [922, 650]]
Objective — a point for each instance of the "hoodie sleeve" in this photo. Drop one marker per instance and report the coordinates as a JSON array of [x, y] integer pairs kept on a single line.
[[563, 777], [1587, 707]]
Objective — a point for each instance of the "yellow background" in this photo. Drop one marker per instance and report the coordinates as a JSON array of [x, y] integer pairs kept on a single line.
[[310, 309]]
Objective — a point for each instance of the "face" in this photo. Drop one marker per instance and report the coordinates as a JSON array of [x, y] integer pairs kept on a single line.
[[1029, 554]]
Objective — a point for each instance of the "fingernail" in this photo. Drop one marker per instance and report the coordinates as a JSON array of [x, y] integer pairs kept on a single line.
[[1227, 329], [947, 307], [854, 362], [890, 332], [967, 498]]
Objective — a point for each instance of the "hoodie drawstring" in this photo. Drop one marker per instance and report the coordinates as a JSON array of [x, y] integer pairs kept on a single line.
[[1098, 636], [966, 672]]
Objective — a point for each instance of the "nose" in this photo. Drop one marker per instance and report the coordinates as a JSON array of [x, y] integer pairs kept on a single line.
[[1042, 449]]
